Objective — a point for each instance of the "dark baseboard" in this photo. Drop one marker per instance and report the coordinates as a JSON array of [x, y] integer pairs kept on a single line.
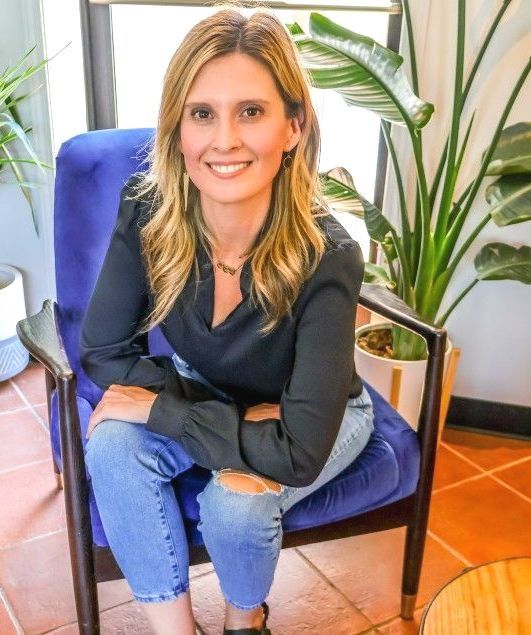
[[490, 416]]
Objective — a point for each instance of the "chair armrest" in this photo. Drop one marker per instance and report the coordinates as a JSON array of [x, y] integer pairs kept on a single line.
[[379, 299], [40, 334]]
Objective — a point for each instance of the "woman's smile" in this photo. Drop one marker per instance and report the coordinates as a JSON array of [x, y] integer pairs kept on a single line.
[[228, 171]]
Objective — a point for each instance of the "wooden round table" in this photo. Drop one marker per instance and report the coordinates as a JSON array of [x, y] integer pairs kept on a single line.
[[492, 599]]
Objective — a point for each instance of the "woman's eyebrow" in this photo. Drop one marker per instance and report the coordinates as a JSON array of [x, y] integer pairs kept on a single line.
[[193, 104]]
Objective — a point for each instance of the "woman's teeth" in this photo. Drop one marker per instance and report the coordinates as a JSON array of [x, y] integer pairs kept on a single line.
[[224, 169]]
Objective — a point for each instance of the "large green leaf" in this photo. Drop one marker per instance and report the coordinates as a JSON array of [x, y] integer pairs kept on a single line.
[[510, 198], [498, 261], [340, 192], [513, 151], [375, 274], [362, 71]]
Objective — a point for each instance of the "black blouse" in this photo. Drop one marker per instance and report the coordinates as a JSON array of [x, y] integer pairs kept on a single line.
[[306, 364]]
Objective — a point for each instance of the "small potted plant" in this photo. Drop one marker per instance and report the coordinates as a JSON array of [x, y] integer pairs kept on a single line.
[[13, 356], [421, 253]]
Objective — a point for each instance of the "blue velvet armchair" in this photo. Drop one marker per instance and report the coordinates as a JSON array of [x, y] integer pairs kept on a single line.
[[389, 484]]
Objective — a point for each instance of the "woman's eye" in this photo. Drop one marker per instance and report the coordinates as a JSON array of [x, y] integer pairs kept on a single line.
[[255, 108], [203, 114], [199, 110]]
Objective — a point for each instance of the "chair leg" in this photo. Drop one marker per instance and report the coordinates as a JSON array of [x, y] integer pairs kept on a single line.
[[50, 385], [413, 555], [76, 495], [86, 593]]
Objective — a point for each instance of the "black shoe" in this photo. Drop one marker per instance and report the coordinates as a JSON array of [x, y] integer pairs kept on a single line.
[[251, 631]]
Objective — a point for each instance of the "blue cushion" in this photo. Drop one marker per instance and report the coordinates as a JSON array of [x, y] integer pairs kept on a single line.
[[91, 170]]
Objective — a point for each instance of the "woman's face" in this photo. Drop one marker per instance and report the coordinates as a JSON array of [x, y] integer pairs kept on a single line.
[[234, 114]]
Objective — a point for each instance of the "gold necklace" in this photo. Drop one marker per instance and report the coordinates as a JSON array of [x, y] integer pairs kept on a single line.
[[226, 268]]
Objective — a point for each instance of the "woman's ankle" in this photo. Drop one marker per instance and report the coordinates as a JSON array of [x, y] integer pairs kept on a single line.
[[237, 618]]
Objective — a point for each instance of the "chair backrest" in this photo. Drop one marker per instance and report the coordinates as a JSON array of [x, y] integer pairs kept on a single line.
[[92, 168]]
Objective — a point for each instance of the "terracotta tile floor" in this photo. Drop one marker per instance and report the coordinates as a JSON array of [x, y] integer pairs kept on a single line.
[[481, 511]]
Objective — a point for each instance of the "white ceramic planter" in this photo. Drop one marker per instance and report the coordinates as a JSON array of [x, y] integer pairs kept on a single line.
[[377, 371], [13, 356]]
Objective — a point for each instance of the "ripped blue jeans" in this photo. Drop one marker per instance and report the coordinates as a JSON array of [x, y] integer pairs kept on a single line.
[[131, 470]]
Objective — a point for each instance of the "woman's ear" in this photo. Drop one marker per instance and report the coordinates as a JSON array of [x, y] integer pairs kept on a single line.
[[295, 130]]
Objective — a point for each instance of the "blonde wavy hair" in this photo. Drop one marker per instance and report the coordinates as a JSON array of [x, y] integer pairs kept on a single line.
[[291, 243]]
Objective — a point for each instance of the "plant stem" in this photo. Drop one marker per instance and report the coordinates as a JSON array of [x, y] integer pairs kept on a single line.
[[462, 198], [484, 46], [464, 144], [411, 42], [490, 150], [441, 321], [459, 217], [404, 266], [424, 269], [451, 174], [466, 90], [405, 229], [464, 247]]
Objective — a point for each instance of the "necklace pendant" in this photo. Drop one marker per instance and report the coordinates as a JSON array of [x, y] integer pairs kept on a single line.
[[226, 268]]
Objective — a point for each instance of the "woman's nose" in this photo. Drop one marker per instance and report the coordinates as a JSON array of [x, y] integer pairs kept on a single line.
[[226, 135]]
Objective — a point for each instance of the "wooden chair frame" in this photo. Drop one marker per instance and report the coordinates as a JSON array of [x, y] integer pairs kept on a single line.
[[92, 564]]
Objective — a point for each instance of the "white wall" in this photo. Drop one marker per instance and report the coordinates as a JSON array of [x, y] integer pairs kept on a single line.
[[20, 30], [491, 325]]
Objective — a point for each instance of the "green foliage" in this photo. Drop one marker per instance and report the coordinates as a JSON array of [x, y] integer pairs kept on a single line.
[[12, 129], [421, 253]]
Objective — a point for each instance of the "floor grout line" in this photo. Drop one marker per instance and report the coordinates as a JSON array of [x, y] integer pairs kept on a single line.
[[475, 477], [13, 411], [24, 465], [510, 488], [11, 612], [479, 467], [26, 401], [462, 456], [448, 547], [511, 464], [32, 539], [336, 589], [483, 472]]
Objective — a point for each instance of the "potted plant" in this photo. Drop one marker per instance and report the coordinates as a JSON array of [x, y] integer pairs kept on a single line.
[[13, 356], [421, 253]]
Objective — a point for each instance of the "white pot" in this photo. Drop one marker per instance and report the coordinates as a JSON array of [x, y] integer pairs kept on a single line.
[[13, 356], [377, 371]]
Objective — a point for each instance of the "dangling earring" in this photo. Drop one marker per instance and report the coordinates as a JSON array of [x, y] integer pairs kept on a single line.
[[290, 161], [186, 181]]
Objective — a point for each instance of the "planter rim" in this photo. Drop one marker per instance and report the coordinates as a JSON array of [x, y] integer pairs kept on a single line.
[[15, 273], [384, 325]]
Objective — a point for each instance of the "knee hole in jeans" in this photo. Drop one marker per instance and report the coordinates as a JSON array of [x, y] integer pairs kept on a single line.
[[244, 482]]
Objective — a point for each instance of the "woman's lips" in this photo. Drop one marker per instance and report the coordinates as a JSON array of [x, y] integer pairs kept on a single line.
[[228, 175]]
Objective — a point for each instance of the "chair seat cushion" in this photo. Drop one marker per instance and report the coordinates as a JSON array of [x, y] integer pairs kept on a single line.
[[385, 471]]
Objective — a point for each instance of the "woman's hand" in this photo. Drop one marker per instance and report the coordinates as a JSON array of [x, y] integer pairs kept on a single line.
[[127, 403], [262, 411]]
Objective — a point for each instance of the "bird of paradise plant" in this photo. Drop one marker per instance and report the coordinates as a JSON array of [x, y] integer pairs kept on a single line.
[[12, 128], [421, 254]]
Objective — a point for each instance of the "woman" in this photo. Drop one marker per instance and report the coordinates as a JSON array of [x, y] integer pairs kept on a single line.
[[225, 242]]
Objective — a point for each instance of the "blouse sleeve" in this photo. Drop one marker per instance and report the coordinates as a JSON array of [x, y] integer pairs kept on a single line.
[[293, 449], [110, 353]]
